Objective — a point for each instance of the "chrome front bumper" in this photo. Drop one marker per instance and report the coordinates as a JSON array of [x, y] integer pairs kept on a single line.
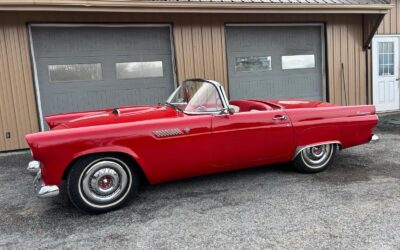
[[41, 189]]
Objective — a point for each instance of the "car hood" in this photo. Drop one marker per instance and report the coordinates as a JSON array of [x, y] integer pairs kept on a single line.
[[298, 103], [120, 115]]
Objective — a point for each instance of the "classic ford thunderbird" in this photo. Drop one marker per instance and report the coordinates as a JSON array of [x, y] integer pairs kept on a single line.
[[103, 155]]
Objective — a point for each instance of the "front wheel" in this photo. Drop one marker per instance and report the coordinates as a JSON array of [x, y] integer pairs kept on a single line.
[[314, 159], [100, 183]]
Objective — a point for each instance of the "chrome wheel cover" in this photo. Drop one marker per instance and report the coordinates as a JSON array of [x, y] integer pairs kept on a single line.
[[105, 182], [317, 156]]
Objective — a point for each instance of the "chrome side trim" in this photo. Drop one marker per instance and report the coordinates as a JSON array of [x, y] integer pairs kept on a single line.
[[168, 132], [301, 148], [33, 167], [363, 113]]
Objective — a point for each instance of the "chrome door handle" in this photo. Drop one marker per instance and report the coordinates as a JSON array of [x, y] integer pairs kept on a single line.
[[279, 118]]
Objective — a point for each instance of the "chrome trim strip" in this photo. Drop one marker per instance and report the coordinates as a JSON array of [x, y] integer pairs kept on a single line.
[[363, 113], [168, 132], [301, 148]]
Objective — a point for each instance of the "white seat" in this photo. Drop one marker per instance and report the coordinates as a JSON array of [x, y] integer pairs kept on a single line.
[[236, 108]]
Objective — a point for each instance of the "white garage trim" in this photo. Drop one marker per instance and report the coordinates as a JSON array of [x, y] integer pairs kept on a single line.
[[323, 44], [34, 64]]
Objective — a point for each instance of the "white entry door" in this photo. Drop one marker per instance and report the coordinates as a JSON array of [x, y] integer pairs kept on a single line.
[[386, 93]]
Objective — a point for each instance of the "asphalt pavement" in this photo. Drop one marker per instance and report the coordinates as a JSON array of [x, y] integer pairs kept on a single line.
[[355, 204]]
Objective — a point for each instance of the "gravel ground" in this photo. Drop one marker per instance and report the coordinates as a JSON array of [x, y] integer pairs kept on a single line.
[[355, 204]]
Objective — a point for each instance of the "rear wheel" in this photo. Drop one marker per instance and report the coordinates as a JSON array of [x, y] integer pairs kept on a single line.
[[100, 183], [314, 159]]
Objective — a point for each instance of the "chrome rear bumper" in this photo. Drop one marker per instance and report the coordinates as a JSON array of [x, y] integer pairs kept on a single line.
[[374, 139], [42, 190]]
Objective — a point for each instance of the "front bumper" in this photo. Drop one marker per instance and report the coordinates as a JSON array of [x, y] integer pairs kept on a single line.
[[42, 190]]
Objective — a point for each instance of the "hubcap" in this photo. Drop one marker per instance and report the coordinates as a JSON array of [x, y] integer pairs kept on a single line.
[[104, 182], [317, 156]]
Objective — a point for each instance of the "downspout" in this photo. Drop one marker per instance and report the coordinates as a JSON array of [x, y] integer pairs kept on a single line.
[[367, 48]]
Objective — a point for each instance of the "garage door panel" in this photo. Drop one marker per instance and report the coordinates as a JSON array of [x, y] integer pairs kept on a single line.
[[101, 98], [275, 62], [277, 88], [78, 41], [83, 68]]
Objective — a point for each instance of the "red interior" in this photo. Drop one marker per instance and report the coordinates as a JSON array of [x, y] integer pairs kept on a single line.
[[247, 105]]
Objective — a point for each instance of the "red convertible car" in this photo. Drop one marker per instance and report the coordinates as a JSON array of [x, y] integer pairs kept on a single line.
[[103, 155]]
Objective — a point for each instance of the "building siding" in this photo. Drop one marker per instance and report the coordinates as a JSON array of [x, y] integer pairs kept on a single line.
[[199, 44], [391, 22]]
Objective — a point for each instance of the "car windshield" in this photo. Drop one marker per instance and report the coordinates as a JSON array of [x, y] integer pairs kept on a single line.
[[196, 96]]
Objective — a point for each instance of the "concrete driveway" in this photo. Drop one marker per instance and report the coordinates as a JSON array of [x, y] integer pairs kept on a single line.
[[355, 204]]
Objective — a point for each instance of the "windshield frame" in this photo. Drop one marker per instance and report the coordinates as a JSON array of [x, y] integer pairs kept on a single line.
[[218, 87]]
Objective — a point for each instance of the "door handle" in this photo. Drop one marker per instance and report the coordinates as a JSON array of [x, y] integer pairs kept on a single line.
[[279, 118]]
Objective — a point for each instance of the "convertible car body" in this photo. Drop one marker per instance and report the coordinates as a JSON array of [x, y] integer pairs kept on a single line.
[[103, 154]]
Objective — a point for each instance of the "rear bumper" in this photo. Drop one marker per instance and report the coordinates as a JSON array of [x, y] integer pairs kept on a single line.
[[42, 190], [374, 139]]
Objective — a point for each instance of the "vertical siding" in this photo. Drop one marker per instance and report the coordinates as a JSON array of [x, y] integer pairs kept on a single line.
[[199, 44], [18, 106], [391, 22], [200, 48]]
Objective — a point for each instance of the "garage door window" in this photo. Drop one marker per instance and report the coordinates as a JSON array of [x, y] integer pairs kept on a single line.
[[75, 72], [298, 62], [130, 70], [253, 63]]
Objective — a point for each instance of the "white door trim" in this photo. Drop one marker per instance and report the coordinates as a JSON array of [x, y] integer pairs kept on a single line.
[[385, 88]]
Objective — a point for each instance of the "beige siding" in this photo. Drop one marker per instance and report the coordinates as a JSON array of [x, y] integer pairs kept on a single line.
[[391, 22], [199, 48]]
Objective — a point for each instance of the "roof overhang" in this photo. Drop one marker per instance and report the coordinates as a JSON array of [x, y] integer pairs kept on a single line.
[[189, 7]]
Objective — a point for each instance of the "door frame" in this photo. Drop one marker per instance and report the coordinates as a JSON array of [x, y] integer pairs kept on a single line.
[[375, 66], [34, 64], [325, 94]]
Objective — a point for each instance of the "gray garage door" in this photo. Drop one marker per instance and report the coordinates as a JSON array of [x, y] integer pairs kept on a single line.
[[275, 62], [91, 67]]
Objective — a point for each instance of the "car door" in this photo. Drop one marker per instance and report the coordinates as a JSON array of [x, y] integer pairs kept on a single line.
[[251, 138], [177, 148]]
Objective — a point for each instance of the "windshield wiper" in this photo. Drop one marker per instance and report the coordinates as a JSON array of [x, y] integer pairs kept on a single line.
[[173, 106]]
